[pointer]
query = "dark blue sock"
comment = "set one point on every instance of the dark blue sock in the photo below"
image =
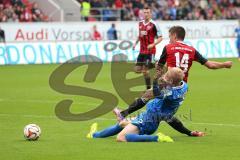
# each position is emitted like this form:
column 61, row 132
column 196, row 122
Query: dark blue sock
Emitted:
column 141, row 138
column 110, row 131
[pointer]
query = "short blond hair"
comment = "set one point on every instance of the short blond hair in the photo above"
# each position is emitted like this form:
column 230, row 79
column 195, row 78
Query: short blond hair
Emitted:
column 176, row 74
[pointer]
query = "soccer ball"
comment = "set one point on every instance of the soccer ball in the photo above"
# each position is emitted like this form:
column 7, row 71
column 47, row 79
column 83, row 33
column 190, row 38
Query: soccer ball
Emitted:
column 32, row 132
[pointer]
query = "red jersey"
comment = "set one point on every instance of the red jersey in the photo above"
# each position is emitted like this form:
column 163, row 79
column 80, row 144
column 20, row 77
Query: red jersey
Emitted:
column 147, row 33
column 180, row 55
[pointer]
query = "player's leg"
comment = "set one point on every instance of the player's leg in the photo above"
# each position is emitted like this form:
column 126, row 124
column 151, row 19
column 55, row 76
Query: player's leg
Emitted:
column 143, row 62
column 136, row 105
column 139, row 102
column 178, row 126
column 159, row 137
column 129, row 129
column 132, row 130
column 138, row 68
column 124, row 123
column 110, row 131
column 131, row 133
column 173, row 122
column 146, row 76
column 139, row 64
column 145, row 70
column 141, row 128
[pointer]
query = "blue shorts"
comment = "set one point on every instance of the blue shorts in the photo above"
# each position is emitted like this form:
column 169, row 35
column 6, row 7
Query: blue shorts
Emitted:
column 146, row 123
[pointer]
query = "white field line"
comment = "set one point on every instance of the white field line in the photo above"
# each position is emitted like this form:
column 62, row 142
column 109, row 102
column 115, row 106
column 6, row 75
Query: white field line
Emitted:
column 98, row 119
column 112, row 119
column 216, row 124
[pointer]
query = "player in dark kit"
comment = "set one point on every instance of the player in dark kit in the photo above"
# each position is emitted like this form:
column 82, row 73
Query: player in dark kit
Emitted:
column 148, row 31
column 175, row 54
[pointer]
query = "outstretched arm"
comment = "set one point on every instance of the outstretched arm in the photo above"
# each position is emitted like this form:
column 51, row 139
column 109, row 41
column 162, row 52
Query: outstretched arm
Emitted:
column 218, row 65
column 212, row 64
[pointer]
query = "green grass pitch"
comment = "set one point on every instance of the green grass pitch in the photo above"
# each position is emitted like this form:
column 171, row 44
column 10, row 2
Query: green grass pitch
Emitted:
column 25, row 97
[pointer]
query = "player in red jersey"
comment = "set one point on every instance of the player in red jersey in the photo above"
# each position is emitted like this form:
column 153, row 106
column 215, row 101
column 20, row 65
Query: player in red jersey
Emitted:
column 175, row 54
column 148, row 31
column 179, row 54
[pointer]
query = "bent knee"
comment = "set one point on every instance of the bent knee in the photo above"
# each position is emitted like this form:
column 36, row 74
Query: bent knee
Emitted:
column 124, row 123
column 121, row 138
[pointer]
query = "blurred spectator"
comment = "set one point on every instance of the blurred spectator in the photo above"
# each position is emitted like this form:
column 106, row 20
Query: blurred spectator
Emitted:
column 20, row 11
column 118, row 4
column 86, row 7
column 96, row 35
column 128, row 13
column 96, row 11
column 112, row 33
column 2, row 35
column 96, row 4
column 169, row 9
column 110, row 14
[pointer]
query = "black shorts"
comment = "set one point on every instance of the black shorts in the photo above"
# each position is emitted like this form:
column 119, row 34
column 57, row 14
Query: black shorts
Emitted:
column 145, row 60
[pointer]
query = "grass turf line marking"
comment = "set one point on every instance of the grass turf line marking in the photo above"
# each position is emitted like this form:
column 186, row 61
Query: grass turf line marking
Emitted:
column 112, row 119
column 101, row 119
column 216, row 124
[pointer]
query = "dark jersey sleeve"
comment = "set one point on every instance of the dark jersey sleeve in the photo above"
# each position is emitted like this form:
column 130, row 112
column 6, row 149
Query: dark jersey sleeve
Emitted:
column 157, row 30
column 199, row 58
column 163, row 57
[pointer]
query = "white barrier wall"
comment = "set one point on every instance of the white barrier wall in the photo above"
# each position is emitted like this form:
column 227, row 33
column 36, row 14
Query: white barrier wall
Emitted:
column 78, row 31
column 53, row 52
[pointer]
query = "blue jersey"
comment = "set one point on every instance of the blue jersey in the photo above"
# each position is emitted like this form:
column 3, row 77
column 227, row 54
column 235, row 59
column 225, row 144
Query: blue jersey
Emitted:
column 168, row 100
column 162, row 107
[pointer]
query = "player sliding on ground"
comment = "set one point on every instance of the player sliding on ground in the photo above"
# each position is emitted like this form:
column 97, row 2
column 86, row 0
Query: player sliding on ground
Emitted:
column 176, row 54
column 169, row 91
